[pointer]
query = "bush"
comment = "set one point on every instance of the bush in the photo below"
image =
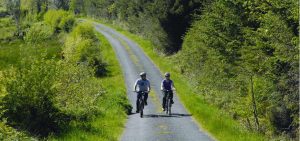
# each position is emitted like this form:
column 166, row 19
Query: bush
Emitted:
column 84, row 31
column 67, row 23
column 10, row 134
column 43, row 96
column 29, row 100
column 84, row 46
column 78, row 91
column 59, row 20
column 7, row 28
column 38, row 32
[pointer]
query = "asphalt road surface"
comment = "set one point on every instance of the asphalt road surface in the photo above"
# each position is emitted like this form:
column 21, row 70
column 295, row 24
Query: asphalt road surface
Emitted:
column 155, row 125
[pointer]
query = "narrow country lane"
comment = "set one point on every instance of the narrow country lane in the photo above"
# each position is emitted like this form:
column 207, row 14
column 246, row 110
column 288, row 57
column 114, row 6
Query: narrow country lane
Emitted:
column 156, row 125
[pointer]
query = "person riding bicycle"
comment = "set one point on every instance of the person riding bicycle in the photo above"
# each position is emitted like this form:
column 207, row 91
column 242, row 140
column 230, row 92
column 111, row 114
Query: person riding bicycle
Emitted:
column 143, row 85
column 167, row 85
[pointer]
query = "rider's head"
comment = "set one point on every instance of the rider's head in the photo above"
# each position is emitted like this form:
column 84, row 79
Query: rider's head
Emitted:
column 167, row 75
column 143, row 75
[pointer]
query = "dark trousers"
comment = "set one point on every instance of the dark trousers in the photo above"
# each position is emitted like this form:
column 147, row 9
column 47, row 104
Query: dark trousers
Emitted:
column 139, row 95
column 165, row 97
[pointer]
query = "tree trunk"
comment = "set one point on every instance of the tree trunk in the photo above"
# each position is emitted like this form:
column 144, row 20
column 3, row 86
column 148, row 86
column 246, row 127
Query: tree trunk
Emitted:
column 254, row 104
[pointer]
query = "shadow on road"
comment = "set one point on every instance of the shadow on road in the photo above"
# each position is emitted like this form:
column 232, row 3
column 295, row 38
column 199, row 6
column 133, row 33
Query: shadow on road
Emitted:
column 132, row 113
column 174, row 115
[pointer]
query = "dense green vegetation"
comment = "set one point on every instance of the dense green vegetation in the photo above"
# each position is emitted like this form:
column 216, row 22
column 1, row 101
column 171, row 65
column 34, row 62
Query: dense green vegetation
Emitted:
column 56, row 77
column 240, row 56
column 155, row 19
column 243, row 57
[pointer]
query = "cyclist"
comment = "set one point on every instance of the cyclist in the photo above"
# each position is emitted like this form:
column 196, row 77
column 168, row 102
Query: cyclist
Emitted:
column 167, row 85
column 143, row 85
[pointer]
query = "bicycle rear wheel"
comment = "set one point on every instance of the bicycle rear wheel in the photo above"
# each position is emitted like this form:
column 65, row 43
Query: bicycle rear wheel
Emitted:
column 169, row 106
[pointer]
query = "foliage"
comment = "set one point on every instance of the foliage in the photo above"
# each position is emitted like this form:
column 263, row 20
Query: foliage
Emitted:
column 8, row 134
column 236, row 46
column 113, row 105
column 84, row 46
column 43, row 96
column 38, row 32
column 59, row 20
column 6, row 28
column 14, row 8
column 154, row 19
column 29, row 100
column 62, row 4
column 77, row 92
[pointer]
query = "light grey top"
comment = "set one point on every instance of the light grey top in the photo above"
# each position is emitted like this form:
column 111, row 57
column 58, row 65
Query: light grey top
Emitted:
column 142, row 85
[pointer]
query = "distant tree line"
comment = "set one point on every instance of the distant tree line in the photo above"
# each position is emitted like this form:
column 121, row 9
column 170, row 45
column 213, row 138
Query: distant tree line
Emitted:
column 154, row 19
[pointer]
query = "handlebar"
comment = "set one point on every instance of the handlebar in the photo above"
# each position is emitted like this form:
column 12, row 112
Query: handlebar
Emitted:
column 142, row 91
column 167, row 90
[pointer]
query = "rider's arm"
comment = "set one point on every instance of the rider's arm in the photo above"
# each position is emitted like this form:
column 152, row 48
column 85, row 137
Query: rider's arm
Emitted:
column 149, row 86
column 135, row 84
column 172, row 85
column 162, row 85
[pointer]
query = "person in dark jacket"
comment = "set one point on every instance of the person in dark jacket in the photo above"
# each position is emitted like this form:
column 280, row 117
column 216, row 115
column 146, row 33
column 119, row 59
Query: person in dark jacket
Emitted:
column 167, row 85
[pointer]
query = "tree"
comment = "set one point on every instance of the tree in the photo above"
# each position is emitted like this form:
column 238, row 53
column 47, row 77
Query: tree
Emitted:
column 14, row 8
column 247, row 50
column 77, row 6
column 62, row 4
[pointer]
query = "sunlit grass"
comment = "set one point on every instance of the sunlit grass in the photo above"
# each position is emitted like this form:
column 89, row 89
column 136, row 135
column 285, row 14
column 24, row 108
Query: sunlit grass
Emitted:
column 11, row 53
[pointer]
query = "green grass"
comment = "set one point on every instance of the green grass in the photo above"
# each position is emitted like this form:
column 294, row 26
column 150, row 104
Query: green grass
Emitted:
column 217, row 122
column 8, row 133
column 109, row 125
column 11, row 53
column 114, row 104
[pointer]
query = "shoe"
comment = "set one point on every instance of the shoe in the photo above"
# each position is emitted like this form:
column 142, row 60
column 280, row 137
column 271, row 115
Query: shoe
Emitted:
column 172, row 102
column 146, row 103
column 137, row 111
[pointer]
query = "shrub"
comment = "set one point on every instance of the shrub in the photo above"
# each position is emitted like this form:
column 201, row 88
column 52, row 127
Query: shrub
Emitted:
column 67, row 23
column 84, row 46
column 7, row 28
column 10, row 134
column 59, row 20
column 84, row 31
column 78, row 91
column 38, row 32
column 29, row 100
column 43, row 96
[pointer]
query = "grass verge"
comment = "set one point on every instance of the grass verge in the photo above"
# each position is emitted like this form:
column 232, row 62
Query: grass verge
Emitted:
column 11, row 53
column 219, row 124
column 109, row 125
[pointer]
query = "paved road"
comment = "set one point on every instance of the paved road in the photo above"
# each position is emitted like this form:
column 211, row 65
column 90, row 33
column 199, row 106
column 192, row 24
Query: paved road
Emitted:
column 156, row 125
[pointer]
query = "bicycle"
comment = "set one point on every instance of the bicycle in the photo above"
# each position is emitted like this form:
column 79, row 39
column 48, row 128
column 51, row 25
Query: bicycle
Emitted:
column 141, row 102
column 168, row 104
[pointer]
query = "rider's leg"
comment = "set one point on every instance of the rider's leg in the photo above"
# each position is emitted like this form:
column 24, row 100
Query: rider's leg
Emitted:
column 164, row 100
column 171, row 95
column 146, row 97
column 137, row 101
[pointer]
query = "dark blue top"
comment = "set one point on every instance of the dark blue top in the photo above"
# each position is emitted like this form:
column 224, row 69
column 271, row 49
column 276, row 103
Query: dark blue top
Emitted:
column 167, row 85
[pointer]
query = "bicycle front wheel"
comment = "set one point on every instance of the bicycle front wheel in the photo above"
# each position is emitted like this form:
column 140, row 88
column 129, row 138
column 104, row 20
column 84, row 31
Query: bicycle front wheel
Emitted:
column 141, row 108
